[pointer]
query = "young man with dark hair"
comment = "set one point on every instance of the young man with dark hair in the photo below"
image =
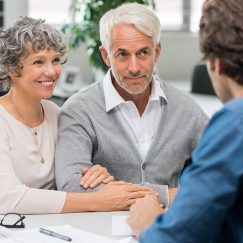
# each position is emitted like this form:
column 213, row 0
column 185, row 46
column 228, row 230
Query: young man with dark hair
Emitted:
column 209, row 204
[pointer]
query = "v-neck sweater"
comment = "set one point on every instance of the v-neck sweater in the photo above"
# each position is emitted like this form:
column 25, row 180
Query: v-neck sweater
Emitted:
column 89, row 135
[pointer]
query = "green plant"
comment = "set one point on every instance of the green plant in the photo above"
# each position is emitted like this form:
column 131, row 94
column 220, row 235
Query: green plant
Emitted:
column 85, row 26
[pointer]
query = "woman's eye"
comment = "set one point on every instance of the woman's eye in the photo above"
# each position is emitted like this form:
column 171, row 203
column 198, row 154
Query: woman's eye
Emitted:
column 38, row 62
column 57, row 60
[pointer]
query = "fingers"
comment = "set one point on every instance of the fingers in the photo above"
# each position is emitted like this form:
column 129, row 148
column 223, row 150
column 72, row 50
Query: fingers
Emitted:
column 117, row 183
column 94, row 176
column 135, row 187
column 109, row 179
column 139, row 194
column 102, row 179
column 84, row 170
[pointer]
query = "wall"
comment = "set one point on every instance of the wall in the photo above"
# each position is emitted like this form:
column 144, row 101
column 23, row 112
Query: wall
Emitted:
column 14, row 9
column 180, row 52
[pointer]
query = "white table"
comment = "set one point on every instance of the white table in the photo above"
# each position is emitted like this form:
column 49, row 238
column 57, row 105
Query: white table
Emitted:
column 95, row 222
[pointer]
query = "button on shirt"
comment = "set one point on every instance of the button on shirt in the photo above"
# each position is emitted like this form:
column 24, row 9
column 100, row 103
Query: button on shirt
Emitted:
column 141, row 129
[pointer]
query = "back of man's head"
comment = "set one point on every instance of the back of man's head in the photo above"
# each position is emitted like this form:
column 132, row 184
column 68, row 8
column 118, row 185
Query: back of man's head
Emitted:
column 143, row 18
column 221, row 35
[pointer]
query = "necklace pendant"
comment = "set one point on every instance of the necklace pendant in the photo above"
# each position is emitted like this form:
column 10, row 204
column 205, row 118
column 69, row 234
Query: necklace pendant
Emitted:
column 42, row 160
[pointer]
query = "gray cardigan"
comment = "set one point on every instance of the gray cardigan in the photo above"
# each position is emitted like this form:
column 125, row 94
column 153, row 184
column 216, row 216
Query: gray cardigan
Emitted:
column 89, row 135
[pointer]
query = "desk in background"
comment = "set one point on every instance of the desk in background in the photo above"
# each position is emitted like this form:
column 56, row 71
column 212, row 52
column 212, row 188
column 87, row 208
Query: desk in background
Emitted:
column 209, row 103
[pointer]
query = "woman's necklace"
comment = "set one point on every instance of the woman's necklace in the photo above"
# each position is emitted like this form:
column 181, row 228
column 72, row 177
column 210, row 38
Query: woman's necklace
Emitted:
column 33, row 131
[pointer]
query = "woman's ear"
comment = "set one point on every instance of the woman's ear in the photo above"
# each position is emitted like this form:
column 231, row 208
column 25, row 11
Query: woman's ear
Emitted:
column 105, row 55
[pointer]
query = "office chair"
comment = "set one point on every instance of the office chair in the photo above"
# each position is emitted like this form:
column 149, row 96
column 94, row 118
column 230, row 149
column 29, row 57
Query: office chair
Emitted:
column 200, row 81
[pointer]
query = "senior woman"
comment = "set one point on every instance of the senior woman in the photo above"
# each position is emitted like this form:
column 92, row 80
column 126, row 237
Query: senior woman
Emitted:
column 31, row 54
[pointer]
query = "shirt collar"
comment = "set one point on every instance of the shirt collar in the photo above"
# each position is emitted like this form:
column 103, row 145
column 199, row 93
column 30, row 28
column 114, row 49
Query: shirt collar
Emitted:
column 113, row 99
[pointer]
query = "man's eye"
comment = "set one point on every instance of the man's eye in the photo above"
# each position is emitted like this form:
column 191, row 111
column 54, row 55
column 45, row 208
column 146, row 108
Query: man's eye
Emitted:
column 122, row 54
column 144, row 53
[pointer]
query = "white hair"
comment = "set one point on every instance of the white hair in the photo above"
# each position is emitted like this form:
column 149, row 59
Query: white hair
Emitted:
column 143, row 18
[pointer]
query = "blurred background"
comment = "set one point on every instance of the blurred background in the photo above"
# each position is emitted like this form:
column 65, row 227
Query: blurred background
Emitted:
column 180, row 61
column 179, row 19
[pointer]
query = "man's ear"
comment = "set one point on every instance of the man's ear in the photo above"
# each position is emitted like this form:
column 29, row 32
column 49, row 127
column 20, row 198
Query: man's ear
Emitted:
column 105, row 55
column 157, row 51
column 218, row 66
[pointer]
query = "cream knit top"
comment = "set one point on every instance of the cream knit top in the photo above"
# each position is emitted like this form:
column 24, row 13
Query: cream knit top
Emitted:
column 26, row 183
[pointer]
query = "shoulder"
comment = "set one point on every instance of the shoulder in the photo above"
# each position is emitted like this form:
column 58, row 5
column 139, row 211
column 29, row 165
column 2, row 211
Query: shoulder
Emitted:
column 175, row 95
column 90, row 97
column 87, row 92
column 230, row 115
column 50, row 108
column 49, row 105
column 182, row 102
column 234, row 106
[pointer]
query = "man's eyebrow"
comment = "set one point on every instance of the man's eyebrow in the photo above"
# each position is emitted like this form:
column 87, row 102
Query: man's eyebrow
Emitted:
column 121, row 49
column 144, row 48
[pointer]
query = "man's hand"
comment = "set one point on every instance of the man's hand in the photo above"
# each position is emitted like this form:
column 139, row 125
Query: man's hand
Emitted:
column 143, row 213
column 94, row 176
column 120, row 195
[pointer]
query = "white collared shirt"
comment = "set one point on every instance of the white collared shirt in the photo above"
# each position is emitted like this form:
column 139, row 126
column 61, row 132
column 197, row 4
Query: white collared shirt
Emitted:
column 140, row 128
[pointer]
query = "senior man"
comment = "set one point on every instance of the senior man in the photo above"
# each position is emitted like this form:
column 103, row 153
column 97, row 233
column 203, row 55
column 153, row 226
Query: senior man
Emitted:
column 140, row 128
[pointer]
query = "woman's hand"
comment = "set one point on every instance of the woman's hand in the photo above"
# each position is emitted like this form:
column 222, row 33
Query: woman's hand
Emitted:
column 94, row 176
column 120, row 195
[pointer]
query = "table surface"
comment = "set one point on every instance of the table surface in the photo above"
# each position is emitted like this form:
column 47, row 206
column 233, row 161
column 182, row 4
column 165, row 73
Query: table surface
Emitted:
column 94, row 222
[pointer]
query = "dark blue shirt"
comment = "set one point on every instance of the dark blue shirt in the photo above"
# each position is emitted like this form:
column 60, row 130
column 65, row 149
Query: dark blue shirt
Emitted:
column 209, row 204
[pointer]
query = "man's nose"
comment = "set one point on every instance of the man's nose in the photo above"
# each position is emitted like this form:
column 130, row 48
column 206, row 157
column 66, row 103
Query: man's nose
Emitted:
column 134, row 66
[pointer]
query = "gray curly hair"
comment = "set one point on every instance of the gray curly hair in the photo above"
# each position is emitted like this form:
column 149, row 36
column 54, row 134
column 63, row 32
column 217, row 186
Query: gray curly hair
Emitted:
column 15, row 43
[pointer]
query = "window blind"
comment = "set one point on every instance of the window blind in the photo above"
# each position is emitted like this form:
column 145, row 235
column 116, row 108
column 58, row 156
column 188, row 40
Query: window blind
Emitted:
column 174, row 15
column 178, row 15
column 1, row 14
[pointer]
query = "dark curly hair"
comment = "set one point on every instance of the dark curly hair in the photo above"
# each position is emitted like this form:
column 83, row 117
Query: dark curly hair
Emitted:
column 14, row 43
column 221, row 35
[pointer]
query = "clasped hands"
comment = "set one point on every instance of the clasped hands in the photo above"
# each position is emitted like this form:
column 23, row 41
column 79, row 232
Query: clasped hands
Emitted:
column 117, row 195
column 121, row 195
column 145, row 210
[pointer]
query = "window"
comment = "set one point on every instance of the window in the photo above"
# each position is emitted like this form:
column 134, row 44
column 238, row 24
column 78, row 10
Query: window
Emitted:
column 175, row 15
column 55, row 12
column 179, row 15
